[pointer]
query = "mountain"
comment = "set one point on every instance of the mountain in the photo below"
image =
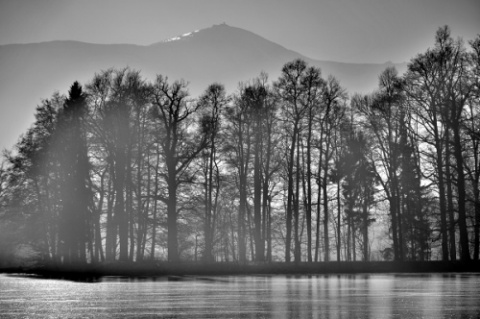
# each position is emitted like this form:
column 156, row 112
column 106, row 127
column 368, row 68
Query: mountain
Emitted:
column 221, row 53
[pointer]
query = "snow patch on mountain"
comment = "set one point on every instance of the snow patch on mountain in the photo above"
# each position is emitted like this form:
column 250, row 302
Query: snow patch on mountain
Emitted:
column 180, row 37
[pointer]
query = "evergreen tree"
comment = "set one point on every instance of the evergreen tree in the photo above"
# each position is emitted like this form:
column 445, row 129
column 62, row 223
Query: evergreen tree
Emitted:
column 73, row 171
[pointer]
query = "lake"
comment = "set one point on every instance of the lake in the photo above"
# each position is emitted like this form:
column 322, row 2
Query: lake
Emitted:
column 329, row 296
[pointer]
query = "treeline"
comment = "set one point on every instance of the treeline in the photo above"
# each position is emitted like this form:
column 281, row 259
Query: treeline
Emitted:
column 294, row 170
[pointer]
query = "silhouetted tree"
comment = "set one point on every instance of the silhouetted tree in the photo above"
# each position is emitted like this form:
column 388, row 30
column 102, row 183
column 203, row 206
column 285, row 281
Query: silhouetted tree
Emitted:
column 74, row 174
column 472, row 123
column 333, row 96
column 212, row 102
column 179, row 147
column 290, row 91
column 239, row 131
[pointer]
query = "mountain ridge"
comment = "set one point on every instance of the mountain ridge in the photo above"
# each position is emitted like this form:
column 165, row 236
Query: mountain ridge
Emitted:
column 30, row 72
column 190, row 34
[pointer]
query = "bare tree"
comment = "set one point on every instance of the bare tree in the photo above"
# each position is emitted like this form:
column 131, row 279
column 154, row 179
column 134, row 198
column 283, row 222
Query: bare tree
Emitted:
column 178, row 144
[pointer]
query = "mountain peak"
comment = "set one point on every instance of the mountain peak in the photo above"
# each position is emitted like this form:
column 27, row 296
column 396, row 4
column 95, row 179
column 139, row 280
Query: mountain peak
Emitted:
column 217, row 32
column 223, row 24
column 190, row 34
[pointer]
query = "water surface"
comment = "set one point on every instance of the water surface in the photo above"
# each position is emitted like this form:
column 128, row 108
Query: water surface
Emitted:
column 330, row 296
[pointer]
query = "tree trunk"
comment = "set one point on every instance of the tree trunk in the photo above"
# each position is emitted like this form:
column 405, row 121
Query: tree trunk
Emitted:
column 319, row 196
column 339, row 214
column 296, row 205
column 308, row 199
column 172, row 236
column 110, row 245
column 257, row 199
column 325, row 205
column 441, row 189
column 365, row 224
column 450, row 208
column 290, row 195
column 462, row 218
column 120, row 214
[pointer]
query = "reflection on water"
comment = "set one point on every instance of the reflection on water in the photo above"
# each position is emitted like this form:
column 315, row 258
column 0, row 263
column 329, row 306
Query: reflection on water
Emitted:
column 332, row 296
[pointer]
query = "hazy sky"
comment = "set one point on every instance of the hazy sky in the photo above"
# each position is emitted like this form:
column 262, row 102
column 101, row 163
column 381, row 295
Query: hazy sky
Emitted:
column 339, row 30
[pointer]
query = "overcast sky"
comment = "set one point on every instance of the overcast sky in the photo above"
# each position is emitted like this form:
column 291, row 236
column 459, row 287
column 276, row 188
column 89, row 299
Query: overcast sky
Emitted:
column 338, row 30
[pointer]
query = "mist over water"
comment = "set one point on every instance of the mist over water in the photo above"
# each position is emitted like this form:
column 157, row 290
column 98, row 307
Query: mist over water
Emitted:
column 333, row 296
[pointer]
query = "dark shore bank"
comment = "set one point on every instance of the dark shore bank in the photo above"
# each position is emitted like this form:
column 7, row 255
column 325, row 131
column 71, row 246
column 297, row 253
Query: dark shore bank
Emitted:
column 157, row 269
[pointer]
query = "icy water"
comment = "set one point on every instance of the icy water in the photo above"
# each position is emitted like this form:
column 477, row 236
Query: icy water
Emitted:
column 332, row 296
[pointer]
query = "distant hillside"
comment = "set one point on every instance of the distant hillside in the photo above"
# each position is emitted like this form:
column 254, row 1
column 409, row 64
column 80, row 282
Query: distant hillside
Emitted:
column 225, row 54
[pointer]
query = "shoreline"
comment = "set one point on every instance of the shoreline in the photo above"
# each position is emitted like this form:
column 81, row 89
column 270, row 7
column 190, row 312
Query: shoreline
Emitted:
column 164, row 269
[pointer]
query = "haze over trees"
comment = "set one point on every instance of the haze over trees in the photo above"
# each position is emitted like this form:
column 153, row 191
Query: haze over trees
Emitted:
column 294, row 169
